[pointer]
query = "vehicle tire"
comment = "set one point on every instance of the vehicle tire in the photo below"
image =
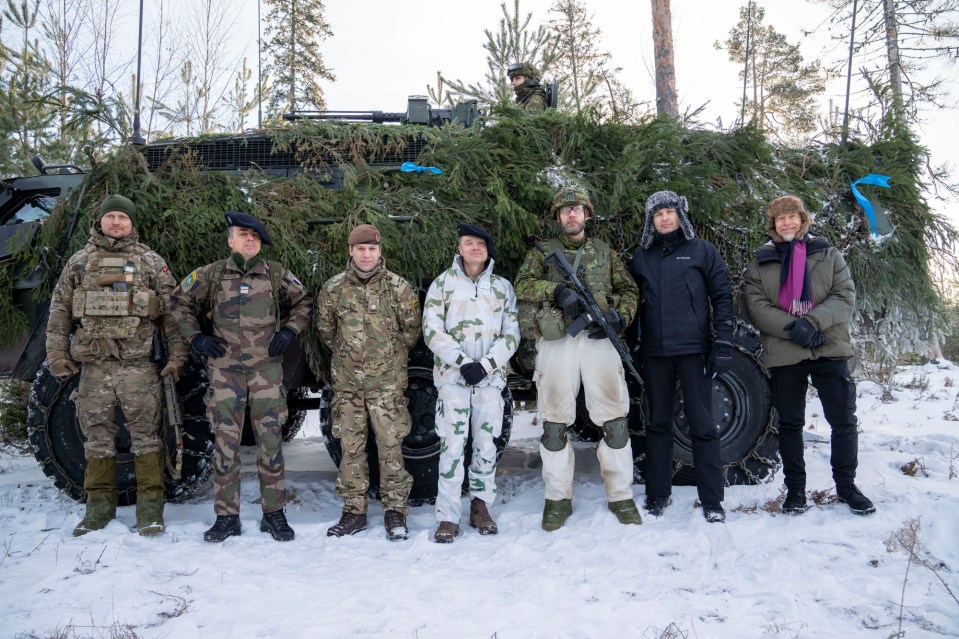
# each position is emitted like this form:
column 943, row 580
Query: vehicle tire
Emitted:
column 745, row 419
column 58, row 443
column 421, row 448
column 742, row 408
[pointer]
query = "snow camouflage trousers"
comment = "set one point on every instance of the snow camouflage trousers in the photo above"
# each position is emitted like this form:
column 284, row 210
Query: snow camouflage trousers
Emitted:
column 132, row 386
column 230, row 392
column 461, row 411
column 391, row 423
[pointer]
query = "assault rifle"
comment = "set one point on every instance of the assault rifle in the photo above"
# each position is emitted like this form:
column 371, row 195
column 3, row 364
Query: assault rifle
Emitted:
column 173, row 424
column 593, row 313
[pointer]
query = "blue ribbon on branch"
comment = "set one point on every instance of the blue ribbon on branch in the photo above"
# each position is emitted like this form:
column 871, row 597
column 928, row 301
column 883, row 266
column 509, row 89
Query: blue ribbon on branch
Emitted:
column 410, row 167
column 876, row 180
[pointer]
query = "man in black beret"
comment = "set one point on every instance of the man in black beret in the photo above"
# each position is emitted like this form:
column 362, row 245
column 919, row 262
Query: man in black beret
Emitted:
column 470, row 323
column 257, row 308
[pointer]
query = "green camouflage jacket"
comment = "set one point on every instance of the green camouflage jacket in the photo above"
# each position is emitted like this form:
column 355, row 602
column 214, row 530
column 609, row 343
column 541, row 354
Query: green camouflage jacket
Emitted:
column 242, row 312
column 370, row 326
column 600, row 270
column 112, row 324
column 466, row 321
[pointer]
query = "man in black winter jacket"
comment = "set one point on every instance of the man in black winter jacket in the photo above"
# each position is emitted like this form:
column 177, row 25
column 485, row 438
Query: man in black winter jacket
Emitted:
column 686, row 331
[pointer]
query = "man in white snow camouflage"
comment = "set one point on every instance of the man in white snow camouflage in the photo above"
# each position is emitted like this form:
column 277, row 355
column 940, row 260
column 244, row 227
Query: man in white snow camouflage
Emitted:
column 470, row 323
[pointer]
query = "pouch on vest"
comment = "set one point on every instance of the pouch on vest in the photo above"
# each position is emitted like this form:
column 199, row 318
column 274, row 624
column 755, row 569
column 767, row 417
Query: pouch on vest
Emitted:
column 552, row 325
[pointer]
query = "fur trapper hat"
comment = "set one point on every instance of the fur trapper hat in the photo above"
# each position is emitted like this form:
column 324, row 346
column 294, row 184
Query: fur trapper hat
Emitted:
column 666, row 200
column 782, row 206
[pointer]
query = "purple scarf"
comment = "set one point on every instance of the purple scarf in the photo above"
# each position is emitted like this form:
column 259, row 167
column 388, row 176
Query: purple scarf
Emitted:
column 795, row 295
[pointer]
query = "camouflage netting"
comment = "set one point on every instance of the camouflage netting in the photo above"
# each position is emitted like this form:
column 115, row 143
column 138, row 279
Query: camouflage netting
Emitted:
column 504, row 175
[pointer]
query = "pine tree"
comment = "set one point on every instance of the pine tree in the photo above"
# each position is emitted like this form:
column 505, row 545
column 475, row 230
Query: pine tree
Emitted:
column 587, row 79
column 784, row 89
column 294, row 31
column 894, row 44
column 26, row 111
column 514, row 42
column 666, row 101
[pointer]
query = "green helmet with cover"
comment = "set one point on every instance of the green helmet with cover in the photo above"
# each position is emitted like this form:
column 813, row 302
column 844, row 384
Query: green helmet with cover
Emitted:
column 571, row 196
column 524, row 69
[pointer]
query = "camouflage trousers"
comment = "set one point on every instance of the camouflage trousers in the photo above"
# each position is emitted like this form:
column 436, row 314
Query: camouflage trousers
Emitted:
column 111, row 385
column 391, row 423
column 227, row 399
column 462, row 411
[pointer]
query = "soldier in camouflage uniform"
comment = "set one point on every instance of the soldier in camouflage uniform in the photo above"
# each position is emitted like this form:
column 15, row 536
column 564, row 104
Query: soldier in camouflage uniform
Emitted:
column 369, row 317
column 563, row 363
column 243, row 296
column 529, row 93
column 470, row 323
column 111, row 298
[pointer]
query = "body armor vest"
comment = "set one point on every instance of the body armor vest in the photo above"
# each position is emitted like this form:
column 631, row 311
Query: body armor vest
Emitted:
column 113, row 299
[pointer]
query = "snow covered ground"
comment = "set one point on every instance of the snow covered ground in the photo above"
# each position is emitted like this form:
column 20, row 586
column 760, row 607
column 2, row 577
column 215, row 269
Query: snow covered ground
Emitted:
column 825, row 574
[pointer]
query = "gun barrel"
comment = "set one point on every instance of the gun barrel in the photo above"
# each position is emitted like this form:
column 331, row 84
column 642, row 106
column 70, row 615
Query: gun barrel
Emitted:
column 378, row 117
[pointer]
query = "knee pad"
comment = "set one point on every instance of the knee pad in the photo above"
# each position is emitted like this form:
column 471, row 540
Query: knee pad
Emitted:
column 615, row 433
column 554, row 436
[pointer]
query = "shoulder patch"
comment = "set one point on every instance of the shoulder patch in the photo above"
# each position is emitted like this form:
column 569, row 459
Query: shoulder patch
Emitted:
column 188, row 281
column 295, row 278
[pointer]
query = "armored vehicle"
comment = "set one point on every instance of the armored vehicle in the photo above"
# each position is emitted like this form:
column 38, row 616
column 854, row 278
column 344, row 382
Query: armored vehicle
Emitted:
column 311, row 181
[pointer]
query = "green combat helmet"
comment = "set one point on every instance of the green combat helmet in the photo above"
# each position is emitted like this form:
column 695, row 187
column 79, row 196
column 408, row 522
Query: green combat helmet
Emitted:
column 524, row 69
column 571, row 196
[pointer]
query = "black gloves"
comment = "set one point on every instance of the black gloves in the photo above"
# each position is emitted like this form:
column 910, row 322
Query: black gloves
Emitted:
column 209, row 345
column 281, row 340
column 473, row 373
column 567, row 300
column 803, row 333
column 616, row 322
column 720, row 359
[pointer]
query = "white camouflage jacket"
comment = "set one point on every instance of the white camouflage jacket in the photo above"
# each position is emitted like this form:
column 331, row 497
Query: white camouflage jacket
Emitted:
column 466, row 321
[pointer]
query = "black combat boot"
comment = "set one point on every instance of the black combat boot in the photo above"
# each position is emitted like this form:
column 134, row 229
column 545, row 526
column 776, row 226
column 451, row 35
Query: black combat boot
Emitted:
column 795, row 502
column 225, row 526
column 656, row 505
column 275, row 524
column 713, row 512
column 857, row 502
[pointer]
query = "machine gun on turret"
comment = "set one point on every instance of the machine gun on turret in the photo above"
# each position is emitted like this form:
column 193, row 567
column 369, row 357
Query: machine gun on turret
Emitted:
column 418, row 111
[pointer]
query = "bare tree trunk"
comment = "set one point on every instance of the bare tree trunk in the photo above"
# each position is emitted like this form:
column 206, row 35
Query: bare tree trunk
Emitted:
column 666, row 101
column 892, row 52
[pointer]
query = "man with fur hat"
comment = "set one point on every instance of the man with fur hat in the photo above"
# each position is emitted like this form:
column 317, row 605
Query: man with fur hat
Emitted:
column 369, row 317
column 530, row 95
column 111, row 299
column 257, row 309
column 686, row 330
column 566, row 362
column 800, row 295
column 471, row 325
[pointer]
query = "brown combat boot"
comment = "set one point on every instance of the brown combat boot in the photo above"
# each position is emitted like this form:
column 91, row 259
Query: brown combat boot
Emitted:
column 395, row 523
column 480, row 518
column 446, row 532
column 349, row 524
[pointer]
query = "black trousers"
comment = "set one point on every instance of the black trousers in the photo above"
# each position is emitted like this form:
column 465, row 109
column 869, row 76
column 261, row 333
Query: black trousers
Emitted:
column 837, row 393
column 659, row 377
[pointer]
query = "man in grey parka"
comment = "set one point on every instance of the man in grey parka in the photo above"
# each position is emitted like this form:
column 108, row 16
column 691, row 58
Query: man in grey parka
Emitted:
column 470, row 323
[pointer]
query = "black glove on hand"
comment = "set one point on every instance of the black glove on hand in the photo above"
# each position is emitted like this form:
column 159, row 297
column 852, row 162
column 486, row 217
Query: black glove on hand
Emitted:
column 818, row 340
column 801, row 332
column 567, row 300
column 720, row 359
column 616, row 322
column 209, row 345
column 280, row 341
column 473, row 373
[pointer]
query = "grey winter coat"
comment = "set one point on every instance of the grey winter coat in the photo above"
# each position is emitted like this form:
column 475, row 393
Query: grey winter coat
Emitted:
column 833, row 292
